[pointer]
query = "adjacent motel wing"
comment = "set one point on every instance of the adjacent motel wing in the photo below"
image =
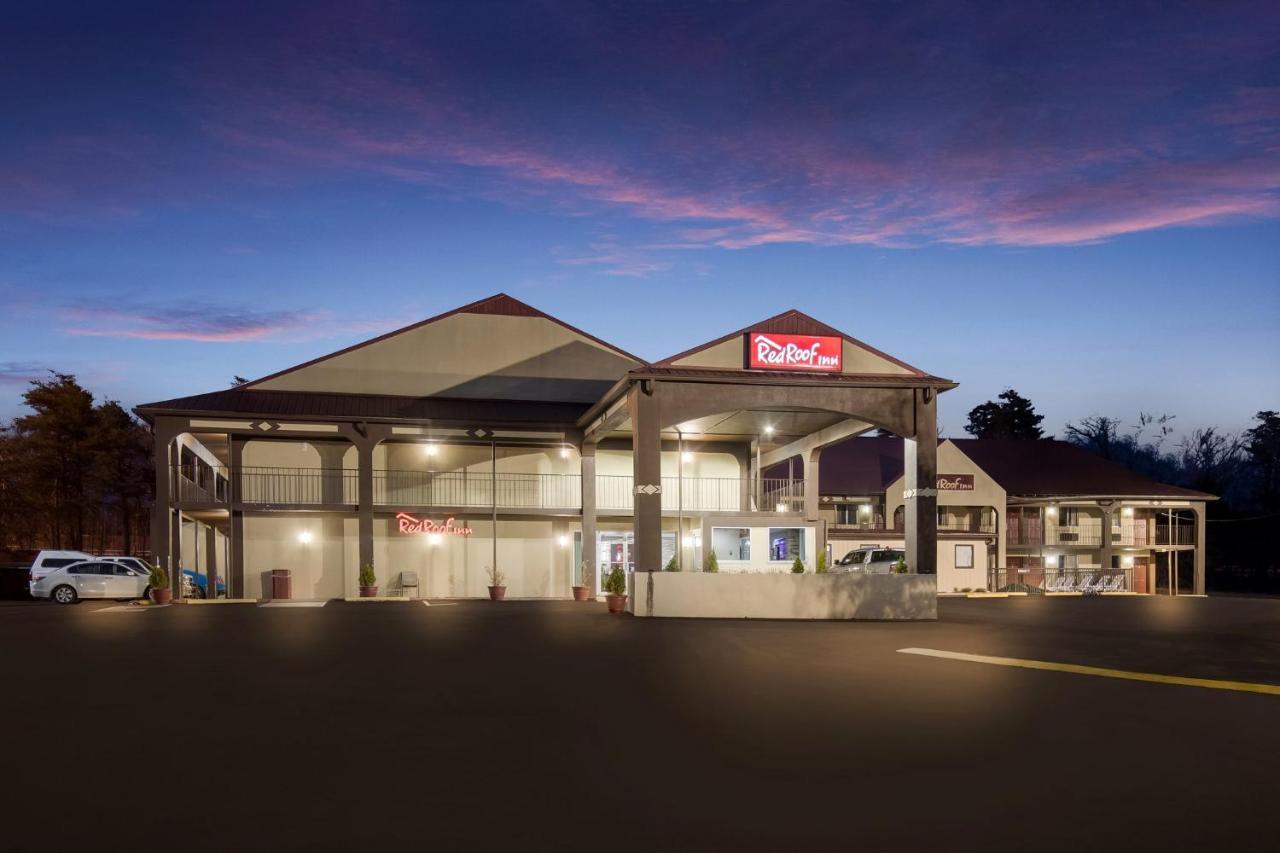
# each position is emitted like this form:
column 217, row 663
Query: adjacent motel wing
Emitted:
column 497, row 435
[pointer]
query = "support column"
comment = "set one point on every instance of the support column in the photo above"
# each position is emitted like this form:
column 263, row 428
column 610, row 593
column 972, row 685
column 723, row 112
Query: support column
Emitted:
column 175, row 550
column 331, row 455
column 811, row 503
column 646, row 466
column 745, row 475
column 1107, row 550
column 364, row 492
column 213, row 570
column 235, row 576
column 920, row 460
column 162, row 510
column 588, row 461
column 1199, row 552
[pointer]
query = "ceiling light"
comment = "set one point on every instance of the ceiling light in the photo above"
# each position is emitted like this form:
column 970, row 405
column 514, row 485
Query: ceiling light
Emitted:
column 430, row 449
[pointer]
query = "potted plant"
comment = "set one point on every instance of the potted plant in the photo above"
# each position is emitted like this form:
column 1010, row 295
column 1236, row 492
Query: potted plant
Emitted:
column 159, row 583
column 900, row 567
column 497, row 584
column 711, row 565
column 797, row 568
column 582, row 592
column 672, row 565
column 368, row 581
column 821, row 567
column 615, row 587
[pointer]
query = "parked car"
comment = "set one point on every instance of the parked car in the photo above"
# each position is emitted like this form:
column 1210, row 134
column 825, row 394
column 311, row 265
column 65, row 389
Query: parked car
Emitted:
column 132, row 562
column 196, row 585
column 872, row 561
column 91, row 579
column 47, row 561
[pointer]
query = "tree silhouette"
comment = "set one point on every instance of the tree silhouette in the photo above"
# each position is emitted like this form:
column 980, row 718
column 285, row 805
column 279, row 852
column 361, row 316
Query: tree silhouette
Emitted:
column 1013, row 417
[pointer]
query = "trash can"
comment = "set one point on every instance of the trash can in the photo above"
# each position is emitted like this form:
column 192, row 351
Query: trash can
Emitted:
column 281, row 583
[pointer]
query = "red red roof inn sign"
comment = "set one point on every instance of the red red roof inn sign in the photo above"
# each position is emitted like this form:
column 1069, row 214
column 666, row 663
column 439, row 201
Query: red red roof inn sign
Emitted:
column 767, row 351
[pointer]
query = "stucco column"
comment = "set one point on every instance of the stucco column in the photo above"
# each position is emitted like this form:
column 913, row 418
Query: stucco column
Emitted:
column 1107, row 550
column 811, row 492
column 235, row 571
column 213, row 570
column 588, row 460
column 331, row 454
column 920, row 460
column 175, row 550
column 162, row 510
column 1199, row 553
column 646, row 466
column 364, row 455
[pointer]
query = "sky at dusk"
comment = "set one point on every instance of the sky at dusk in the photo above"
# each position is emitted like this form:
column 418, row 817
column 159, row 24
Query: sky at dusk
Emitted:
column 1081, row 201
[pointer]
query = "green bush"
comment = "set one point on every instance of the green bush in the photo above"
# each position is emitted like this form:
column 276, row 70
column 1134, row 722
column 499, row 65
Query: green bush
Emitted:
column 615, row 581
column 797, row 568
column 821, row 567
column 672, row 565
column 159, row 578
column 900, row 567
column 367, row 576
column 712, row 565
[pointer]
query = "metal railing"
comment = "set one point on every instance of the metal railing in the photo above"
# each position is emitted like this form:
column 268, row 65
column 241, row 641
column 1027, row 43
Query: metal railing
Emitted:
column 1035, row 580
column 477, row 489
column 1175, row 534
column 300, row 486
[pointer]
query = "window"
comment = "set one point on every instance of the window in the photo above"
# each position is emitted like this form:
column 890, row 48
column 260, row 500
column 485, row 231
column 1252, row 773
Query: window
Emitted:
column 731, row 543
column 786, row 543
column 1068, row 516
column 59, row 562
column 964, row 556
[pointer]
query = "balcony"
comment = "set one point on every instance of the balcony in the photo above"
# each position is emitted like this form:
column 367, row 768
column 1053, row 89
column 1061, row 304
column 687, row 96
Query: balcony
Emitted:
column 262, row 486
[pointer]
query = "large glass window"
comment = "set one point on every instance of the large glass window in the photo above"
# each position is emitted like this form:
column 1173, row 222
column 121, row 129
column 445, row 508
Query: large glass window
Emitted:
column 786, row 543
column 731, row 543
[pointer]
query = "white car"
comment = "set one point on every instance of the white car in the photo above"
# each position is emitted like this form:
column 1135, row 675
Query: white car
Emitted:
column 91, row 579
column 47, row 561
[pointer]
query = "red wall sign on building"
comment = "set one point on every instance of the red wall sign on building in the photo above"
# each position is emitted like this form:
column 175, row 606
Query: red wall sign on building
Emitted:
column 409, row 524
column 955, row 482
column 767, row 351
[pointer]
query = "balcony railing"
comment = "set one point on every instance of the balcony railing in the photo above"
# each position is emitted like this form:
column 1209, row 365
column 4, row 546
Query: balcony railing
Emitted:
column 1175, row 534
column 268, row 486
column 1062, row 580
column 477, row 489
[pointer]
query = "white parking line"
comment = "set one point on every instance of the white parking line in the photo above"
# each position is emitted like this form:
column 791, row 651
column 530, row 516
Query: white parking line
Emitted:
column 293, row 604
column 117, row 608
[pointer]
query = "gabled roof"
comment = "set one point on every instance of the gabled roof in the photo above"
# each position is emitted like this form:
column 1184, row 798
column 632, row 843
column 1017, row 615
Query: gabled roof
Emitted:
column 500, row 304
column 1024, row 468
column 791, row 322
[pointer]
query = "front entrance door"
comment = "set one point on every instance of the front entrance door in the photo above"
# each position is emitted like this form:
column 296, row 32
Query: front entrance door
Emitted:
column 617, row 548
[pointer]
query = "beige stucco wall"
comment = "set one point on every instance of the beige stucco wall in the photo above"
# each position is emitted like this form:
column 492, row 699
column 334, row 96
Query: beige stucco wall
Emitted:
column 319, row 567
column 783, row 596
column 514, row 355
column 950, row 578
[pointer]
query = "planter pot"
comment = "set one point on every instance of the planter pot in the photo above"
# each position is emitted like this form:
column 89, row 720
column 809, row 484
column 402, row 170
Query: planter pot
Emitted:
column 497, row 593
column 162, row 596
column 617, row 603
column 581, row 593
column 368, row 592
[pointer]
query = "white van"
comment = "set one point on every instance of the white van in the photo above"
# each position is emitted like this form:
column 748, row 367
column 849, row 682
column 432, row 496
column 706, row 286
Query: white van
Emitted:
column 47, row 561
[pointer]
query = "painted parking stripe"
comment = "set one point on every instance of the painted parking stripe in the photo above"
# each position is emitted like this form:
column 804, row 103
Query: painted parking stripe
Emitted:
column 293, row 604
column 1077, row 669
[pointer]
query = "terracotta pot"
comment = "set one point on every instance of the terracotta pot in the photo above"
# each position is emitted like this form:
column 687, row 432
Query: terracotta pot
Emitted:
column 162, row 596
column 368, row 592
column 617, row 603
column 581, row 593
column 497, row 593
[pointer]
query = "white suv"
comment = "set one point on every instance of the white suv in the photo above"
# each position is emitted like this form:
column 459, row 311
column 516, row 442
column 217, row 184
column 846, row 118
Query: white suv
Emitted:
column 47, row 561
column 92, row 579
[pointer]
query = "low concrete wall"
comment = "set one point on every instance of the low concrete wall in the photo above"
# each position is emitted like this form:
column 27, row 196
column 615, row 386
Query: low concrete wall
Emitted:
column 783, row 596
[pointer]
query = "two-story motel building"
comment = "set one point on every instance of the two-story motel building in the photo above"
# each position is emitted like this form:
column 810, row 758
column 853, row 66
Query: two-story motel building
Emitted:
column 495, row 434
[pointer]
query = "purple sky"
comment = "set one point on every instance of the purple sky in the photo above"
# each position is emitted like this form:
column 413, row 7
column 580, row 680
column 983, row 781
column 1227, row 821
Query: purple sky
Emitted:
column 1083, row 205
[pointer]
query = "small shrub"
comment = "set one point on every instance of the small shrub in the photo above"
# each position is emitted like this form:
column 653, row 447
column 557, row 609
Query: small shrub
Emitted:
column 900, row 567
column 159, row 578
column 821, row 566
column 672, row 565
column 711, row 565
column 615, row 581
column 797, row 568
column 367, row 575
column 496, row 578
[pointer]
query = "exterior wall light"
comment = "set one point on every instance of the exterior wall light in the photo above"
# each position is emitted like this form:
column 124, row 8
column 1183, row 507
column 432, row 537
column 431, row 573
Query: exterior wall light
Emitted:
column 304, row 538
column 1051, row 561
column 1126, row 562
column 687, row 456
column 768, row 430
column 781, row 507
column 563, row 540
column 564, row 453
column 434, row 539
column 430, row 448
column 864, row 509
column 1053, row 510
column 1127, row 511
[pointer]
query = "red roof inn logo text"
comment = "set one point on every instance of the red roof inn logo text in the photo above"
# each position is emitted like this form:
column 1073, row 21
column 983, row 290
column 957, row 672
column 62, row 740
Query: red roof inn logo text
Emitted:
column 794, row 352
column 409, row 524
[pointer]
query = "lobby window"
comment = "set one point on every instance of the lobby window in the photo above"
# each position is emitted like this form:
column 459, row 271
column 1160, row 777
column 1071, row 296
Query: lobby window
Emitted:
column 786, row 543
column 731, row 543
column 964, row 556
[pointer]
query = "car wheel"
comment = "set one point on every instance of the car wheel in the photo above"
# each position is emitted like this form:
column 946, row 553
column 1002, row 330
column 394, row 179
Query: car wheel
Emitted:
column 64, row 594
column 146, row 592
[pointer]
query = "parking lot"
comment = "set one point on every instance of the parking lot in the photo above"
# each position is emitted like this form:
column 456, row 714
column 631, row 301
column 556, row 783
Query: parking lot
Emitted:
column 551, row 725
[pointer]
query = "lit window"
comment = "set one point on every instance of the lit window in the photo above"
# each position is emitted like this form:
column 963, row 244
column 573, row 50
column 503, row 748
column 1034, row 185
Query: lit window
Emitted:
column 731, row 543
column 786, row 543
